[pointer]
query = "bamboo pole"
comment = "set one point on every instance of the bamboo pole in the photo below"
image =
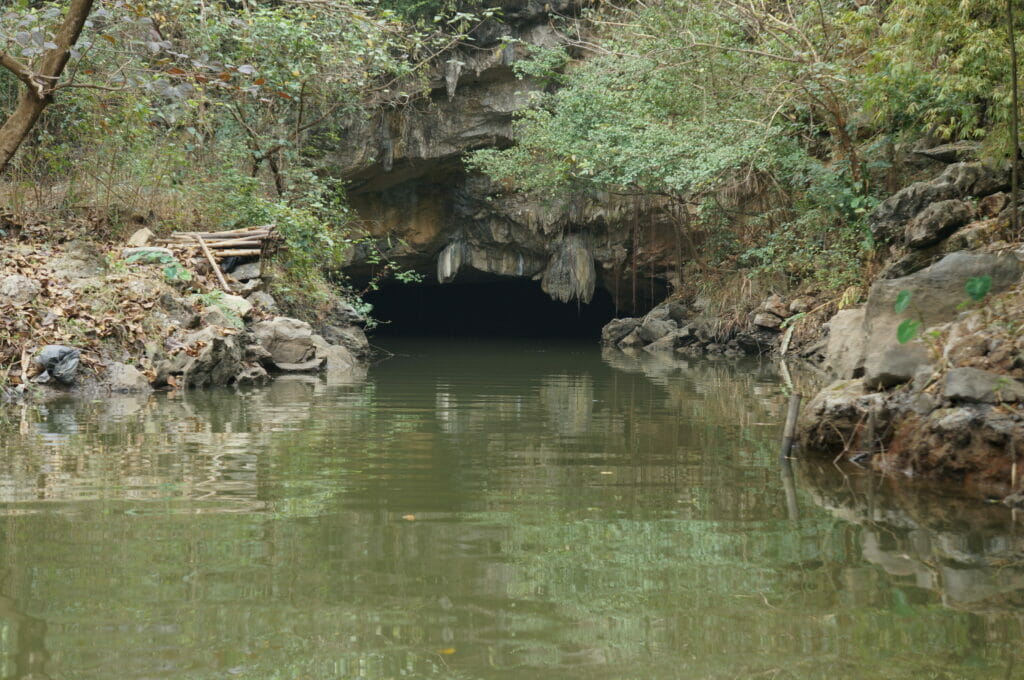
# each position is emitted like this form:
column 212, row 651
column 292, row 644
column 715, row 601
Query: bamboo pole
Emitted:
column 789, row 433
column 213, row 263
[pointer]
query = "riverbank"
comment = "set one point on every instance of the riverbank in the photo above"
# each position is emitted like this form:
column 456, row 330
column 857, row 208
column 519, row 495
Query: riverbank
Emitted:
column 926, row 365
column 85, row 318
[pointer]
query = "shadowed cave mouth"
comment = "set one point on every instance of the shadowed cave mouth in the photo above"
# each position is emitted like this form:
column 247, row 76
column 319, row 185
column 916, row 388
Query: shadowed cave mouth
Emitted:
column 491, row 306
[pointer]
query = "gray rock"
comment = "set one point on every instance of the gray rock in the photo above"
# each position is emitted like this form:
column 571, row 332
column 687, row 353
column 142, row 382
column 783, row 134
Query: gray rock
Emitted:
column 311, row 366
column 336, row 357
column 217, row 360
column 959, row 180
column 244, row 272
column 617, row 329
column 894, row 365
column 252, row 375
column 844, row 356
column 125, row 379
column 215, row 316
column 936, row 222
column 767, row 320
column 992, row 205
column 935, row 294
column 18, row 290
column 951, row 153
column 653, row 329
column 81, row 260
column 237, row 305
column 801, row 305
column 632, row 340
column 288, row 340
column 263, row 301
column 140, row 238
column 777, row 306
column 678, row 312
column 351, row 338
column 668, row 343
column 975, row 385
column 833, row 416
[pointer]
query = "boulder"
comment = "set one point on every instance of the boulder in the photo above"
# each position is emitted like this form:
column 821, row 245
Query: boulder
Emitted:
column 992, row 205
column 263, row 301
column 951, row 153
column 833, row 416
column 959, row 180
column 215, row 316
column 777, row 306
column 935, row 291
column 617, row 329
column 336, row 358
column 140, row 238
column 632, row 340
column 212, row 358
column 975, row 385
column 767, row 320
column 669, row 342
column 351, row 338
column 936, row 222
column 844, row 356
column 654, row 329
column 237, row 305
column 18, row 290
column 125, row 379
column 288, row 340
column 247, row 271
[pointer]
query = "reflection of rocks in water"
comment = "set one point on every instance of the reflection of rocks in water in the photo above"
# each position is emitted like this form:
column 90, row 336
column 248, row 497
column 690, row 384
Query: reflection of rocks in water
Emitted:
column 569, row 402
column 969, row 552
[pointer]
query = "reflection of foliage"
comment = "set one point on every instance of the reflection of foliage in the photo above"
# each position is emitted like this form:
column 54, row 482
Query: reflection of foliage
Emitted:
column 363, row 531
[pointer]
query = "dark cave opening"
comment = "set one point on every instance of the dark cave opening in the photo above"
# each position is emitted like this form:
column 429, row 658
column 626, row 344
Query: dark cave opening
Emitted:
column 497, row 306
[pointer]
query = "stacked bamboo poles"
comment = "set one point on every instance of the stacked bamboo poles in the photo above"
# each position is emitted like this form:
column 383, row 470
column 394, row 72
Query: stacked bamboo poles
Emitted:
column 234, row 243
column 217, row 245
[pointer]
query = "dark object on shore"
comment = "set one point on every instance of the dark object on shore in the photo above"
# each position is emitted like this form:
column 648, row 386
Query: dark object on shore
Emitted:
column 58, row 361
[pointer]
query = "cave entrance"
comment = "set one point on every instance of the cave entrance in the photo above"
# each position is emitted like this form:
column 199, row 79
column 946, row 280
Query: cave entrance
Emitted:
column 495, row 306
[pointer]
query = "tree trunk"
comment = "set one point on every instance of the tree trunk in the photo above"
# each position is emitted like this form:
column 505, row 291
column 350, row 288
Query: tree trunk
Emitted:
column 1014, row 122
column 39, row 86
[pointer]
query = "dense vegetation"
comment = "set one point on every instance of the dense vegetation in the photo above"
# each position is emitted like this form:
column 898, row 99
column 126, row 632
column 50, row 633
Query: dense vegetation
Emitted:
column 769, row 129
column 186, row 114
column 772, row 127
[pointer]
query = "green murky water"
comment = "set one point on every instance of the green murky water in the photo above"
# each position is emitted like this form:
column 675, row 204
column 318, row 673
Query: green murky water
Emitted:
column 483, row 510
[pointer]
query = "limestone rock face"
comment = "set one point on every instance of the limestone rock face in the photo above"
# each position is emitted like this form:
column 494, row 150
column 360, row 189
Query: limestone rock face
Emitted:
column 289, row 341
column 570, row 274
column 959, row 180
column 936, row 222
column 406, row 174
column 935, row 291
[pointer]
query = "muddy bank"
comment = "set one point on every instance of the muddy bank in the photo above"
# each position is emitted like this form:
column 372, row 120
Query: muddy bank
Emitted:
column 81, row 318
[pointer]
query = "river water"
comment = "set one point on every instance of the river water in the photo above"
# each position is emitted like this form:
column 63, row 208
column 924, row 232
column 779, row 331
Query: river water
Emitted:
column 484, row 510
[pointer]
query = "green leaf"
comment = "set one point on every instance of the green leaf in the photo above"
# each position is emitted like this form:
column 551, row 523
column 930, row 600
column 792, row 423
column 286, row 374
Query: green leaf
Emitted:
column 907, row 330
column 978, row 287
column 902, row 300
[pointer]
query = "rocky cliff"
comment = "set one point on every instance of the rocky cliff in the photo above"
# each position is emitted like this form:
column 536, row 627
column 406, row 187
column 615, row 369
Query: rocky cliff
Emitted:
column 408, row 181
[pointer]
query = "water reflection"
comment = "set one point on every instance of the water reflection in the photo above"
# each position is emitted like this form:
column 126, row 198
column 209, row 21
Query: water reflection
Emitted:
column 479, row 511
